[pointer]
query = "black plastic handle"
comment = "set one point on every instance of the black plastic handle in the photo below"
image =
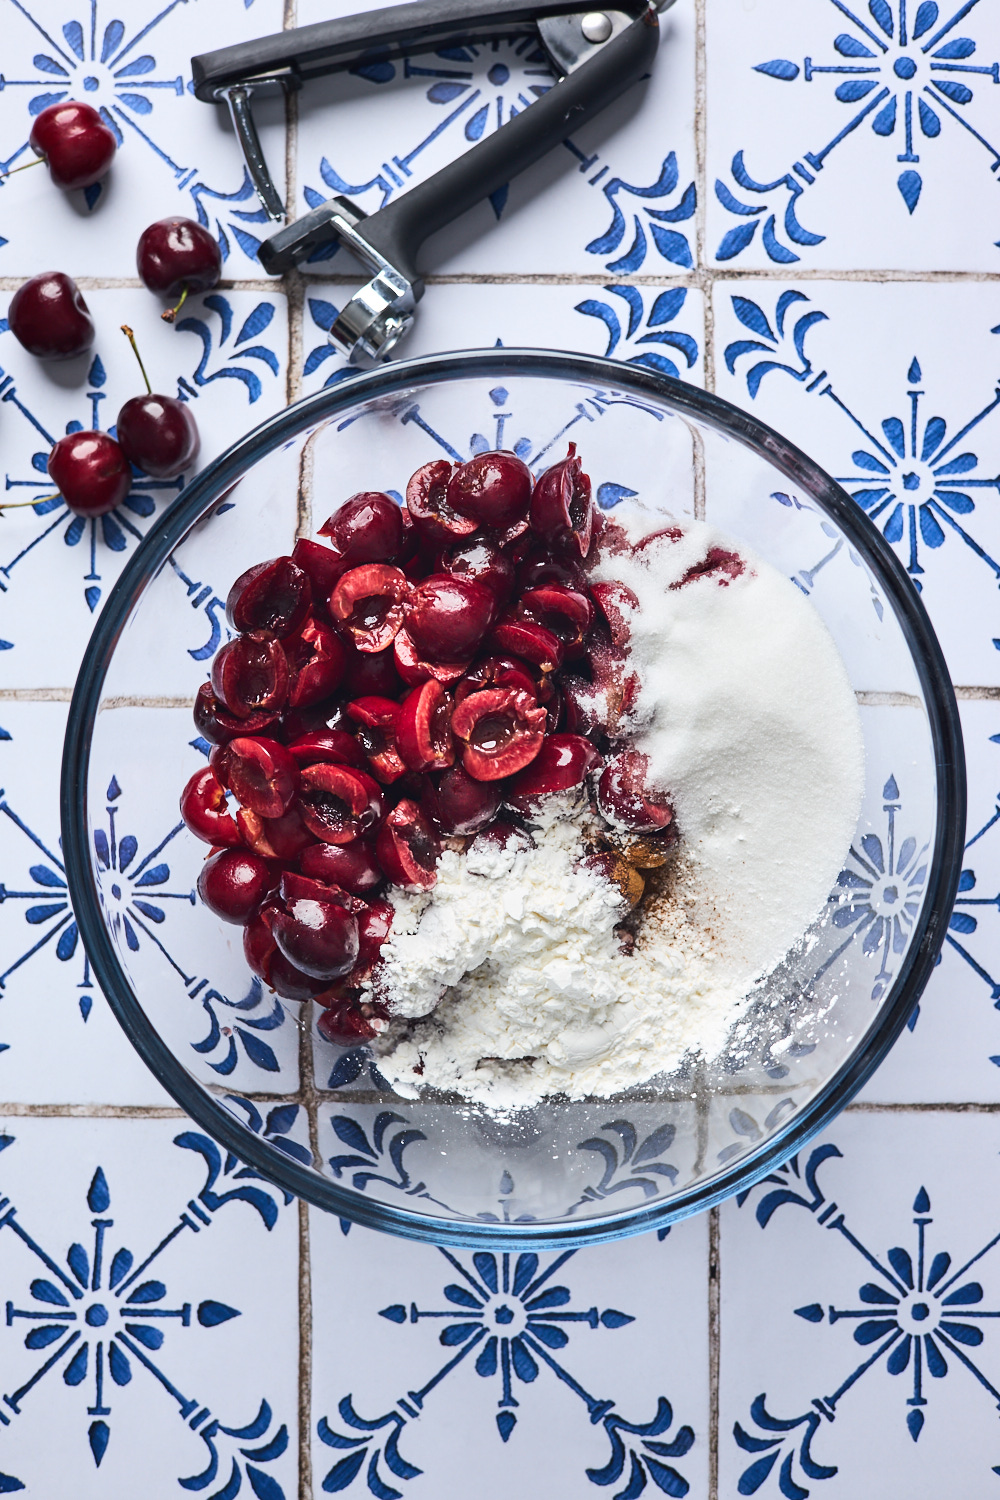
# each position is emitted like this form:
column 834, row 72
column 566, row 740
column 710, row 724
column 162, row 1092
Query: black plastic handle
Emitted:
column 398, row 230
column 330, row 46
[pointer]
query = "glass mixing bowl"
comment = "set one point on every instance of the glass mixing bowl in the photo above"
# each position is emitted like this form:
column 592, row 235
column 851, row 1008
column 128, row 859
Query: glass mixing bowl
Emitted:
column 252, row 1070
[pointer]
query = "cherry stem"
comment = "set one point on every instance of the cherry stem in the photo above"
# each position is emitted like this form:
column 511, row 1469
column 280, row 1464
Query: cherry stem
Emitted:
column 22, row 504
column 171, row 312
column 126, row 330
column 24, row 166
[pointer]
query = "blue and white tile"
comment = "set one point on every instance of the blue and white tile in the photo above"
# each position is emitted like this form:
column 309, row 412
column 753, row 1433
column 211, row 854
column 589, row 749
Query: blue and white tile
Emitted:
column 657, row 327
column 186, row 967
column 60, row 1042
column 575, row 1374
column 227, row 356
column 843, row 136
column 892, row 388
column 619, row 195
column 859, row 1284
column 950, row 1052
column 151, row 1333
column 176, row 155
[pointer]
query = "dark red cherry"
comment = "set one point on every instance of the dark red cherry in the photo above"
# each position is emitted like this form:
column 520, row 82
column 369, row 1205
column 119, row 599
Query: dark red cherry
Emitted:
column 273, row 596
column 158, row 434
column 465, row 805
column 206, row 812
column 564, row 761
column 376, row 719
column 502, row 731
column 371, row 672
column 49, row 317
column 338, row 803
column 216, row 723
column 264, row 958
column 323, row 566
column 348, row 1021
column 318, row 937
column 436, row 522
column 532, row 642
column 412, row 668
column 447, row 617
column 373, row 929
column 408, row 848
column 90, row 471
column 496, row 671
column 234, row 882
column 367, row 528
column 368, row 601
column 75, row 142
column 283, row 838
column 423, row 728
column 617, row 604
column 316, row 657
column 626, row 799
column 177, row 256
column 479, row 560
column 351, row 866
column 334, row 746
column 260, row 773
column 568, row 613
column 718, row 563
column 562, row 509
column 493, row 488
column 251, row 673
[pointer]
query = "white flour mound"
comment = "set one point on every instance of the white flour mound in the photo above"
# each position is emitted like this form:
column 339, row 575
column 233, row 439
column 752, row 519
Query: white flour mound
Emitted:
column 508, row 978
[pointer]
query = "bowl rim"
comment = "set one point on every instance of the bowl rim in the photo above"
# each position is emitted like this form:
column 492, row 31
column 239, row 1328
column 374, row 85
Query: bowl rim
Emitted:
column 686, row 400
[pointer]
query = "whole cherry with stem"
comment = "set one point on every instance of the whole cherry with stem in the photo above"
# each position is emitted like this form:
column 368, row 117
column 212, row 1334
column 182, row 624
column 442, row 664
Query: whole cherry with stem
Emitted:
column 177, row 256
column 157, row 433
column 75, row 143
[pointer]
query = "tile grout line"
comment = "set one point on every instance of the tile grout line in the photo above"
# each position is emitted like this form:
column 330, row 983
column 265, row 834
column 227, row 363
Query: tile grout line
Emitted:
column 703, row 273
column 705, row 281
column 693, row 278
column 294, row 288
column 714, row 1350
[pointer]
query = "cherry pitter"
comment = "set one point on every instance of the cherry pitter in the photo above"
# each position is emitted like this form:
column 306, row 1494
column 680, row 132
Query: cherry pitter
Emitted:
column 595, row 55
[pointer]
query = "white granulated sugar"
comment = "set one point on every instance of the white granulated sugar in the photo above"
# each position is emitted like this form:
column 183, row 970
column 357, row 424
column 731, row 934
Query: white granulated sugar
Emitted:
column 509, row 980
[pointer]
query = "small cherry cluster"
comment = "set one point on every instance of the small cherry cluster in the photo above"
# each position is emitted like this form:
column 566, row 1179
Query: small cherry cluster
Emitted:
column 431, row 674
column 49, row 317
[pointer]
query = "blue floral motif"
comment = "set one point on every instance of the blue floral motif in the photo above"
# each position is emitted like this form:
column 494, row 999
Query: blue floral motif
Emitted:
column 134, row 890
column 965, row 923
column 505, row 1308
column 115, row 530
column 914, row 481
column 673, row 246
column 904, row 70
column 124, row 889
column 879, row 893
column 100, row 61
column 103, row 1319
column 630, row 1164
column 663, row 308
column 478, row 105
column 518, row 74
column 920, row 1315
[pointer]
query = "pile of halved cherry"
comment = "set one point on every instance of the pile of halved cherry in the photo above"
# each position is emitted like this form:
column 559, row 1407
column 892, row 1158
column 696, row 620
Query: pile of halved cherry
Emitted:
column 430, row 674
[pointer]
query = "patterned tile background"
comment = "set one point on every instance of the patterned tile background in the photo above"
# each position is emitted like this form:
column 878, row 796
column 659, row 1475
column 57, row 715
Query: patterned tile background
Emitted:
column 797, row 210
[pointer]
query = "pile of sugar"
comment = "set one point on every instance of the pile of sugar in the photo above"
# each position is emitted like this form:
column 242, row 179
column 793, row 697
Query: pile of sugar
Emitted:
column 509, row 980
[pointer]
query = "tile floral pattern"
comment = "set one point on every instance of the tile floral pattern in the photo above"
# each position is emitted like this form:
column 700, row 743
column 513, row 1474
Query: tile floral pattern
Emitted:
column 793, row 211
